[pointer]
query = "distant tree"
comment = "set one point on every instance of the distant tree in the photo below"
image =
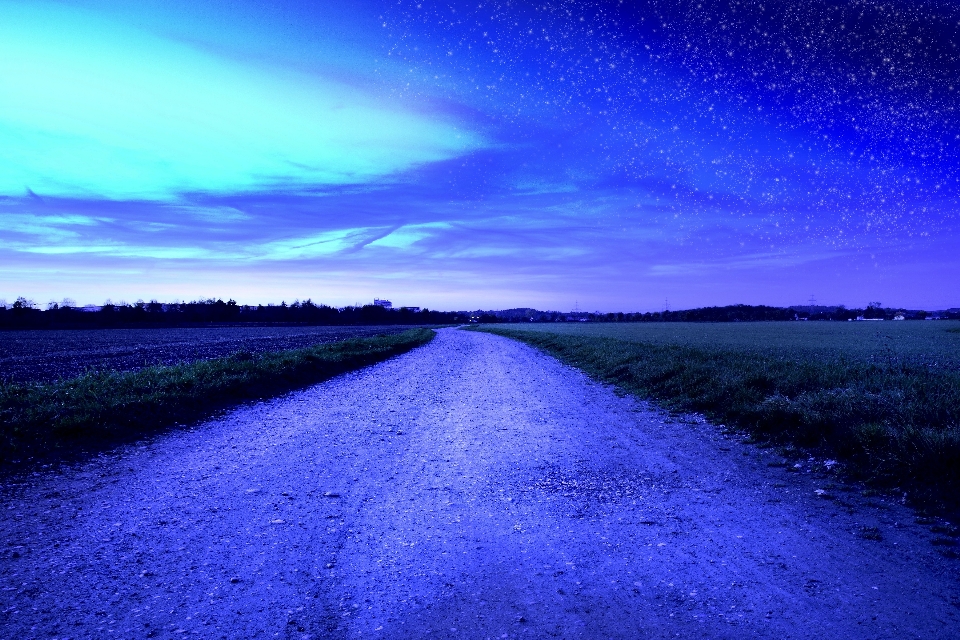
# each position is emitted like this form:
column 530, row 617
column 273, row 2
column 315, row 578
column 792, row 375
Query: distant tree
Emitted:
column 874, row 310
column 373, row 314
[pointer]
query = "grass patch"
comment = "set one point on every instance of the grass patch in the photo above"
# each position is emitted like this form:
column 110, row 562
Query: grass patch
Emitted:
column 893, row 423
column 40, row 419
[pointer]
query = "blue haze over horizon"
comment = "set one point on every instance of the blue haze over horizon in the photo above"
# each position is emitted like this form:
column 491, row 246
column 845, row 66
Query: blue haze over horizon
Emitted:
column 462, row 155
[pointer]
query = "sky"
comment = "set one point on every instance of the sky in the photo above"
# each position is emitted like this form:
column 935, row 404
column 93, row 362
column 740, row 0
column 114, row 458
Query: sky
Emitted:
column 608, row 156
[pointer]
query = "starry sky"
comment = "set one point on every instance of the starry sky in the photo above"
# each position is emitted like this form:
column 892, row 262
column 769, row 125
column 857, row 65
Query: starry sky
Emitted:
column 616, row 156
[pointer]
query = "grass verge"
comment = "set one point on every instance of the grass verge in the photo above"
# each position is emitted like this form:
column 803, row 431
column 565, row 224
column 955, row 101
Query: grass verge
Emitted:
column 892, row 425
column 40, row 419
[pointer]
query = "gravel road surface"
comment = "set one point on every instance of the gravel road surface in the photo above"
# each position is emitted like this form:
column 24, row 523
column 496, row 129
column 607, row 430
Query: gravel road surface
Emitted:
column 472, row 488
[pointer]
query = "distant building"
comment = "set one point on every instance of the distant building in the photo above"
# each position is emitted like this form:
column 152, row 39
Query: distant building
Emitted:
column 386, row 304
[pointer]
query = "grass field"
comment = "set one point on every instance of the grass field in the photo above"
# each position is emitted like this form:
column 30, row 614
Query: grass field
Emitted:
column 48, row 355
column 39, row 419
column 932, row 344
column 882, row 397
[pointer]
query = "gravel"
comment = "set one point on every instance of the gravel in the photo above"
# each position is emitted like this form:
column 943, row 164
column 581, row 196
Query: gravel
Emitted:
column 472, row 488
column 45, row 356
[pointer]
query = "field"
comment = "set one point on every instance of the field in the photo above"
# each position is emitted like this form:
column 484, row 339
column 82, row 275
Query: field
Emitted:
column 881, row 397
column 101, row 407
column 935, row 345
column 45, row 356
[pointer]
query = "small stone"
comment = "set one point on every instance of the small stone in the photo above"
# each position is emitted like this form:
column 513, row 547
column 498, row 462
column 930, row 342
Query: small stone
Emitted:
column 234, row 580
column 331, row 494
column 277, row 521
column 399, row 433
column 329, row 565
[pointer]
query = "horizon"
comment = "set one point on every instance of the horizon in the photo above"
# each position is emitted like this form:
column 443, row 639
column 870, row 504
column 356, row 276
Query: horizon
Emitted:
column 461, row 155
column 70, row 303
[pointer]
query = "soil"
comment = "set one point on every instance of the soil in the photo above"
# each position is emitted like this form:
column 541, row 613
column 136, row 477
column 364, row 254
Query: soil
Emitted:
column 472, row 488
column 48, row 355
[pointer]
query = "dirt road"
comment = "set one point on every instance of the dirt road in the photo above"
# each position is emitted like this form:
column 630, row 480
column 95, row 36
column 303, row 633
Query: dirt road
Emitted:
column 472, row 488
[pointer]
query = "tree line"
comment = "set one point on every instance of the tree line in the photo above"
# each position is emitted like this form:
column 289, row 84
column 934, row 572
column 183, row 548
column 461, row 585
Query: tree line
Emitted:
column 730, row 313
column 25, row 315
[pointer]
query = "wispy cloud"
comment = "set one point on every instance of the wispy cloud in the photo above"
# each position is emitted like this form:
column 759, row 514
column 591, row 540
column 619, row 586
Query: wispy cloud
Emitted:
column 93, row 108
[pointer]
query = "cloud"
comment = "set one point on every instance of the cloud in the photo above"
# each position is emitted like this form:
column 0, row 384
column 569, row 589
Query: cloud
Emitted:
column 122, row 251
column 90, row 108
column 317, row 245
column 408, row 235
